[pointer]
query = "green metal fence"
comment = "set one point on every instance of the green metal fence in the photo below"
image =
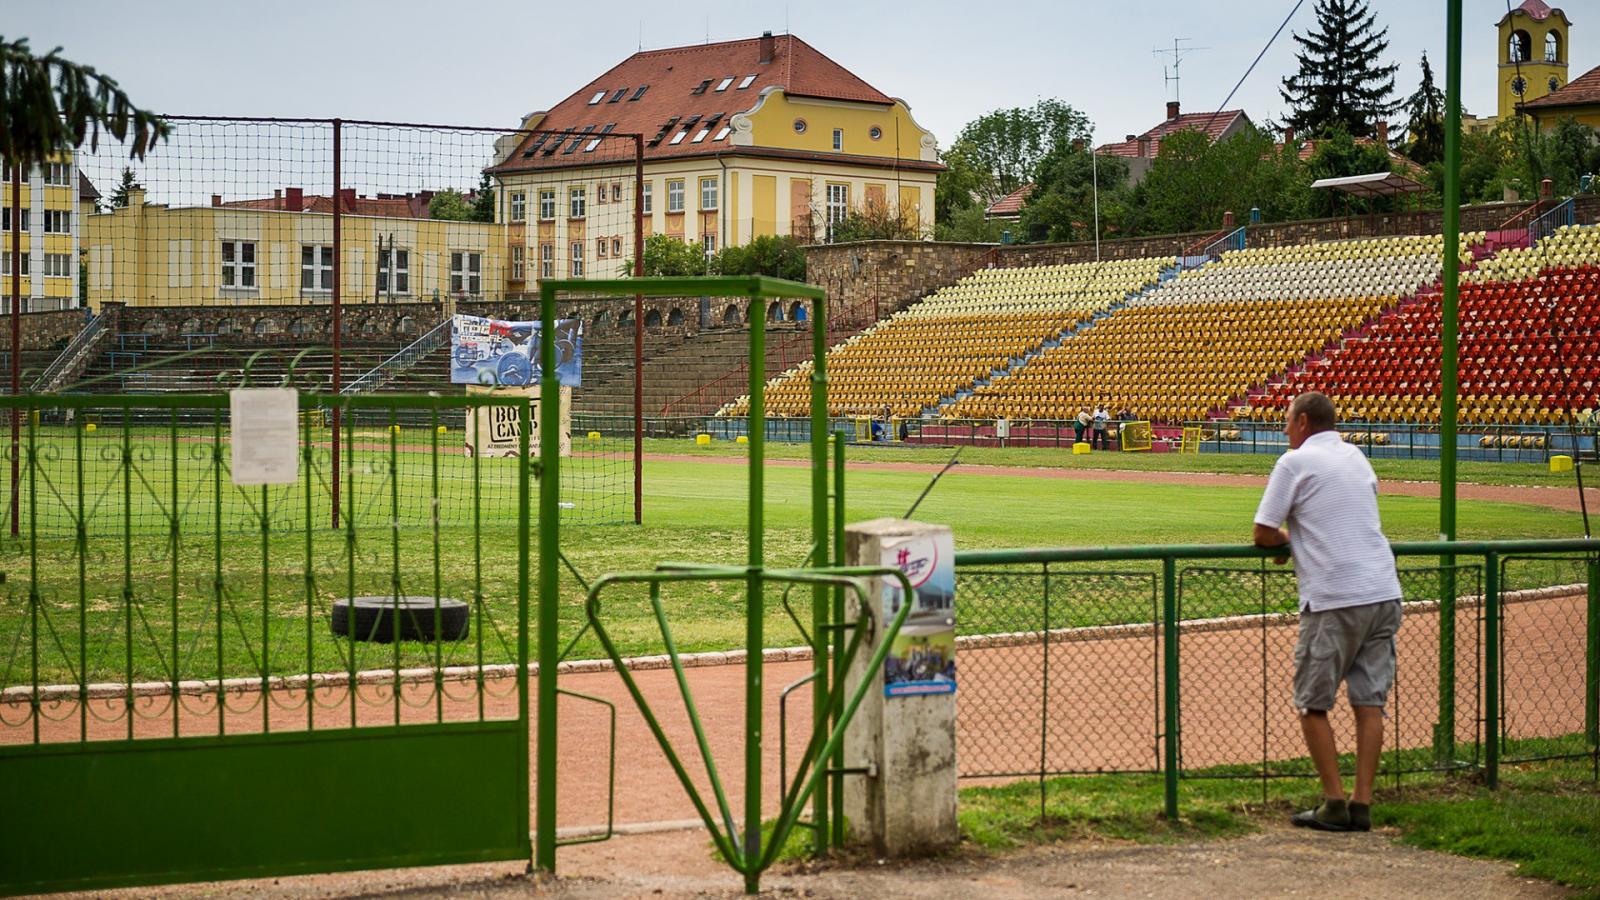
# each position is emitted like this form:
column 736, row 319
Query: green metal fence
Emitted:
column 167, row 668
column 1176, row 661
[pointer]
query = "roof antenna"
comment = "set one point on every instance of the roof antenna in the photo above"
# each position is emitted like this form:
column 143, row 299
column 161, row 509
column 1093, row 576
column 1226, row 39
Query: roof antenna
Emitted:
column 641, row 34
column 708, row 28
column 786, row 18
column 1177, row 54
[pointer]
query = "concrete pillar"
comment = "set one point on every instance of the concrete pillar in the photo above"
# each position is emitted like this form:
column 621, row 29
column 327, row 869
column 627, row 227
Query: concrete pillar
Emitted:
column 905, row 804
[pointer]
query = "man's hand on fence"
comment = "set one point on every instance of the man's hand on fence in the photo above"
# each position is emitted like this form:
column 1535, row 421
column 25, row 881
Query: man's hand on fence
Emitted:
column 1267, row 536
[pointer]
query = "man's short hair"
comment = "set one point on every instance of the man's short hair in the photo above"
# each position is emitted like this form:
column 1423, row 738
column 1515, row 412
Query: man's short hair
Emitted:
column 1318, row 410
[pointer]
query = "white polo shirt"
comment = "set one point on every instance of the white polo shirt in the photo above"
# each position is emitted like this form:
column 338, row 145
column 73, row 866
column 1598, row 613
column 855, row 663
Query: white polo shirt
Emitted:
column 1327, row 495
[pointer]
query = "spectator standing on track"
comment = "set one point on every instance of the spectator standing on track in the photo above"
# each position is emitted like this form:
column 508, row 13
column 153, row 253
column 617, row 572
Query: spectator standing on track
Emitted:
column 1101, row 442
column 1326, row 493
column 1080, row 425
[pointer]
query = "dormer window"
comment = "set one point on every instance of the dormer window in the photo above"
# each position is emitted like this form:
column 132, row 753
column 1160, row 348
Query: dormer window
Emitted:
column 639, row 93
column 745, row 82
column 621, row 92
column 702, row 88
column 723, row 84
column 597, row 98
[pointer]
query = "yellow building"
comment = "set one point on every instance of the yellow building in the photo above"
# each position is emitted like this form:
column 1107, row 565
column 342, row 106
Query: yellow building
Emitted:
column 764, row 136
column 280, row 250
column 53, row 201
column 1533, row 54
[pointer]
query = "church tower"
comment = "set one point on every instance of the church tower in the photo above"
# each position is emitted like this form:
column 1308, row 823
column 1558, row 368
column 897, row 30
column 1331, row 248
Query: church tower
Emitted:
column 1533, row 54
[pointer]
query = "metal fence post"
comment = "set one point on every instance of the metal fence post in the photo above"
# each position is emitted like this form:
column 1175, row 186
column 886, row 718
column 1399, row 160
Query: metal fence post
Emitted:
column 549, row 586
column 755, row 605
column 1491, row 669
column 820, row 594
column 1591, row 704
column 836, row 786
column 1169, row 679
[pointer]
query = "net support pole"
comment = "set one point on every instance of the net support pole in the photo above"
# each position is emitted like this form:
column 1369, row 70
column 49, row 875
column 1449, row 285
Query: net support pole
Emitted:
column 1169, row 687
column 755, row 612
column 638, row 331
column 544, row 829
column 1445, row 728
column 338, row 184
column 16, row 344
column 820, row 593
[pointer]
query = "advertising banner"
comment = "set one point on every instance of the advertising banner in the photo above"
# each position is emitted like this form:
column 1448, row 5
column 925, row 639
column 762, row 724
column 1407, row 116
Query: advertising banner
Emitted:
column 496, row 352
column 494, row 431
column 922, row 659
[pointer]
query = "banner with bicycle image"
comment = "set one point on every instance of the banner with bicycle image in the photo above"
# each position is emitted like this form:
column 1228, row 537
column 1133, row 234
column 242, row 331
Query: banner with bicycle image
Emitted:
column 487, row 351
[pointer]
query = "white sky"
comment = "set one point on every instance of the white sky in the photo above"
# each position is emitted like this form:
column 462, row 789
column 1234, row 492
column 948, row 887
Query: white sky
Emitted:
column 485, row 63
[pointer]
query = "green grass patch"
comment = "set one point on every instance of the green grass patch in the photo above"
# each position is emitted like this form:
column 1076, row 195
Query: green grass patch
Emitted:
column 136, row 604
column 1499, row 473
column 1544, row 817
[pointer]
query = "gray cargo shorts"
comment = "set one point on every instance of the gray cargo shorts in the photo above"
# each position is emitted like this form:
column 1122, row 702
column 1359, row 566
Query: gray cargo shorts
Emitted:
column 1353, row 644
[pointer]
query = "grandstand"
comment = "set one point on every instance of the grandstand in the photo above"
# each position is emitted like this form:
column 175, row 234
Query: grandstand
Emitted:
column 960, row 336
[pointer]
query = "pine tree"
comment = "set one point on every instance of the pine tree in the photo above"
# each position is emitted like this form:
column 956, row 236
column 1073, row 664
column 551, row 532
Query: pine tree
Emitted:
column 483, row 200
column 119, row 197
column 1425, row 112
column 1341, row 80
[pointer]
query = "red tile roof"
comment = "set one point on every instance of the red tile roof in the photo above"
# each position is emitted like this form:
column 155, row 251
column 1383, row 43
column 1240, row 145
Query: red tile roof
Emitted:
column 1398, row 162
column 1537, row 9
column 408, row 206
column 1010, row 204
column 1213, row 125
column 86, row 188
column 682, row 83
column 1581, row 91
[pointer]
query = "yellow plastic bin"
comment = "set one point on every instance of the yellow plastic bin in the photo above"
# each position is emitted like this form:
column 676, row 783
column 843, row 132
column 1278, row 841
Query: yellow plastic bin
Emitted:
column 1080, row 449
column 594, row 435
column 1561, row 463
column 741, row 439
column 702, row 440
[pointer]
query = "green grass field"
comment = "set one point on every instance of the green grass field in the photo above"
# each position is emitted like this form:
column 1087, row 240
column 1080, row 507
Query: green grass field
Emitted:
column 207, row 605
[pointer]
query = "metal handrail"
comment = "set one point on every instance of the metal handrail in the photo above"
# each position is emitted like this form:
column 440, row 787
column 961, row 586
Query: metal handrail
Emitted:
column 70, row 354
column 1545, row 224
column 403, row 359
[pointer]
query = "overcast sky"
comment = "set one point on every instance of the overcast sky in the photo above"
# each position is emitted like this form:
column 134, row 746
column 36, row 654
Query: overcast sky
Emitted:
column 486, row 63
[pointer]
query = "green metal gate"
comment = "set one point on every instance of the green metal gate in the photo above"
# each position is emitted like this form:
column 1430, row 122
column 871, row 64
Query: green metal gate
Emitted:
column 173, row 704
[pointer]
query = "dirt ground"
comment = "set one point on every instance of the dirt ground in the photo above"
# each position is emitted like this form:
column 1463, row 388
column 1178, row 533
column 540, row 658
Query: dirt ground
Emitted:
column 1277, row 861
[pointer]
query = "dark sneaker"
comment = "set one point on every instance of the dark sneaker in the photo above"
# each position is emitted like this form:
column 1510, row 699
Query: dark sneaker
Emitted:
column 1330, row 815
column 1360, row 817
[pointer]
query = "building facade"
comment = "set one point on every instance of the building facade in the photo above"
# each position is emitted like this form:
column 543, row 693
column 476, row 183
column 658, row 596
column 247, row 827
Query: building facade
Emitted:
column 53, row 200
column 765, row 136
column 280, row 250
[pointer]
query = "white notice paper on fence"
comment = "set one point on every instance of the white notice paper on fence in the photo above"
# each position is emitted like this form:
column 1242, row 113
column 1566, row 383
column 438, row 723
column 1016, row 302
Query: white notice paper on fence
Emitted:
column 266, row 435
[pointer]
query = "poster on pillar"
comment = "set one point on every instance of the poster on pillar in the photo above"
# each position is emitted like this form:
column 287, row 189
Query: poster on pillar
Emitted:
column 495, row 431
column 496, row 352
column 922, row 659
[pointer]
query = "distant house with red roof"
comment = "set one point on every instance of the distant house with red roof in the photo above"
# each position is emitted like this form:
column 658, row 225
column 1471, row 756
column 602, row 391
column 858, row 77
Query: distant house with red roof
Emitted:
column 762, row 136
column 1140, row 150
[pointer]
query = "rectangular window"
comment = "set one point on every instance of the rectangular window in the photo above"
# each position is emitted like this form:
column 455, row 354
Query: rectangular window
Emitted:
column 723, row 84
column 678, row 138
column 58, row 265
column 639, row 93
column 316, row 267
column 600, row 193
column 58, row 174
column 600, row 247
column 547, row 260
column 401, row 271
column 5, row 265
column 518, row 262
column 838, row 139
column 708, row 242
column 601, row 95
column 466, row 272
column 547, row 204
column 5, row 219
column 838, row 206
column 578, row 203
column 57, row 221
column 616, row 247
column 708, row 194
column 519, row 207
column 577, row 259
column 239, row 264
column 645, row 201
column 616, row 192
column 675, row 196
column 746, row 82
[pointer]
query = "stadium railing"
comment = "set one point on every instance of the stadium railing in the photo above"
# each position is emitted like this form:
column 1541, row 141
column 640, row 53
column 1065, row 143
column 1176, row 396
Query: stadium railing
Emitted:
column 1176, row 661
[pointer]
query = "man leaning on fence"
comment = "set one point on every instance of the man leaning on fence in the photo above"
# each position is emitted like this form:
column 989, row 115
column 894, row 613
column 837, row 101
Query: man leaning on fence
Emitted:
column 1326, row 493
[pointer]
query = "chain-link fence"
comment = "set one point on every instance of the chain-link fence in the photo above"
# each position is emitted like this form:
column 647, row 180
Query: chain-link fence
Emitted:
column 1176, row 661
